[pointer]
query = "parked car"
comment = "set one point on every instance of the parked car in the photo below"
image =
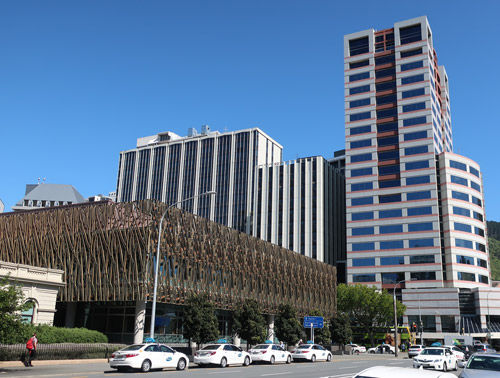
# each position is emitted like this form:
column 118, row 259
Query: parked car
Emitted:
column 484, row 348
column 357, row 349
column 414, row 350
column 222, row 355
column 467, row 350
column 483, row 365
column 311, row 352
column 148, row 356
column 383, row 348
column 398, row 372
column 456, row 351
column 270, row 353
column 438, row 358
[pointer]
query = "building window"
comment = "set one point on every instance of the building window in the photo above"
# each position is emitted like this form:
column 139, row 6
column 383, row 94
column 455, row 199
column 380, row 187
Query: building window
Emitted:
column 392, row 98
column 417, row 165
column 361, row 172
column 387, row 141
column 465, row 260
column 476, row 201
column 360, row 201
column 360, row 89
column 385, row 59
column 462, row 227
column 413, row 107
column 359, row 116
column 414, row 211
column 386, row 86
column 459, row 180
column 361, row 157
column 482, row 263
column 483, row 279
column 477, row 216
column 459, row 195
column 421, row 243
column 363, row 278
column 406, row 54
column 391, row 229
column 475, row 186
column 388, row 155
column 357, row 103
column 359, row 76
column 474, row 171
column 412, row 65
column 464, row 276
column 412, row 79
column 384, row 73
column 359, row 231
column 393, row 112
column 361, row 143
column 462, row 243
column 358, row 46
column 389, row 184
column 422, row 259
column 390, row 198
column 458, row 165
column 410, row 34
column 389, row 126
column 423, row 276
column 479, row 231
column 391, row 244
column 412, row 196
column 362, row 216
column 414, row 227
column 359, row 64
column 369, row 246
column 392, row 260
column 461, row 211
column 361, row 186
column 388, row 170
column 416, row 150
column 414, row 121
column 392, row 278
column 415, row 135
column 363, row 262
column 395, row 213
column 28, row 316
column 418, row 180
column 360, row 130
column 413, row 93
column 480, row 247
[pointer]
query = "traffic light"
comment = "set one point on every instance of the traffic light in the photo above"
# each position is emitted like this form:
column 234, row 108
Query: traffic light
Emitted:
column 414, row 327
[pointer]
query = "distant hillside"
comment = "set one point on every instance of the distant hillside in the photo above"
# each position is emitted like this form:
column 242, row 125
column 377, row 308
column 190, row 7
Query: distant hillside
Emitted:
column 494, row 244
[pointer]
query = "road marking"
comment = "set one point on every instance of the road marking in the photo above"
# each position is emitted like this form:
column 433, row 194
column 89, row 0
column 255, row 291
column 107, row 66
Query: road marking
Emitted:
column 266, row 375
column 224, row 372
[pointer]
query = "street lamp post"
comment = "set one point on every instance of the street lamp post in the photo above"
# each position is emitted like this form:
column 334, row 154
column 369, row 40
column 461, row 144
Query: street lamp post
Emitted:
column 396, row 317
column 157, row 262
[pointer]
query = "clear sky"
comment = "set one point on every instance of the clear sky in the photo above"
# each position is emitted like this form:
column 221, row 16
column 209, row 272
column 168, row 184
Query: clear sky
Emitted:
column 82, row 80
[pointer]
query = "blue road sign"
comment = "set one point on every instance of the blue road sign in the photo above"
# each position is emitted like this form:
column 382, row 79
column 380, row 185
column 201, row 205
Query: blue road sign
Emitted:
column 313, row 321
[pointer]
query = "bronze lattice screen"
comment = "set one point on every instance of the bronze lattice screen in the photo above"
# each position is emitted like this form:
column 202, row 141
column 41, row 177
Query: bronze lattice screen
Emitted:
column 107, row 252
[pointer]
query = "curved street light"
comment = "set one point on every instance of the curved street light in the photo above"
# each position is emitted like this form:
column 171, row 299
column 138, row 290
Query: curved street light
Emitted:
column 396, row 317
column 157, row 262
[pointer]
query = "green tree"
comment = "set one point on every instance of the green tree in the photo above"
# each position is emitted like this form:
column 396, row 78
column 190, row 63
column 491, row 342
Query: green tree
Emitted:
column 12, row 303
column 322, row 335
column 340, row 326
column 288, row 327
column 249, row 323
column 200, row 322
column 368, row 307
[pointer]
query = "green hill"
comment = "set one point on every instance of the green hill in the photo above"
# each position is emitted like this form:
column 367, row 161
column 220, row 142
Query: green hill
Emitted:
column 494, row 245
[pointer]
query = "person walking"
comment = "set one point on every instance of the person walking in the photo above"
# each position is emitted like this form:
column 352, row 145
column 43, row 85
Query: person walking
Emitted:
column 31, row 347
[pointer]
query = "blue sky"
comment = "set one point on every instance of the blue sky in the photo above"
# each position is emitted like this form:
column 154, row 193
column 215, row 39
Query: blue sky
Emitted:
column 82, row 80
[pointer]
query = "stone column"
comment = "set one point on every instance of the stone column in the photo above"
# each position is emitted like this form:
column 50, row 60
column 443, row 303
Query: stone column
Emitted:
column 140, row 317
column 270, row 327
column 69, row 321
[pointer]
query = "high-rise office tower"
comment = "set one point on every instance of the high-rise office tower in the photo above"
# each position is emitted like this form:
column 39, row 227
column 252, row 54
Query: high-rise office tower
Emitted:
column 415, row 210
column 300, row 205
column 171, row 168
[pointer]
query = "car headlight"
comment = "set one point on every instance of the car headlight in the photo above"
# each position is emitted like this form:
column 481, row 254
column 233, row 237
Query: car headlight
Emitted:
column 437, row 360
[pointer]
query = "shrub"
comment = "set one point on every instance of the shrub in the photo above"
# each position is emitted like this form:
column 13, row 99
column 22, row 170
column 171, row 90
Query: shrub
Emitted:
column 53, row 335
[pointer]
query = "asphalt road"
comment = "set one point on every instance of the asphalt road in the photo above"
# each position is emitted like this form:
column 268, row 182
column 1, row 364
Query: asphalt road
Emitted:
column 341, row 367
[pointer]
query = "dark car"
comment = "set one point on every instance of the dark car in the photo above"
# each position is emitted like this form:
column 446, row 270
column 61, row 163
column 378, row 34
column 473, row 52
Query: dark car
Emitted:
column 484, row 348
column 468, row 350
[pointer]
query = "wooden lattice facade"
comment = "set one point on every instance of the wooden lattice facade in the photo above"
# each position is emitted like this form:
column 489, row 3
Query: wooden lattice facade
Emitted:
column 107, row 252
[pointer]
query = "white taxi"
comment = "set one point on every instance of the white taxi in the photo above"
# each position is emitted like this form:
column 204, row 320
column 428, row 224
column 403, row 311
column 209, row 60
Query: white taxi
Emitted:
column 222, row 355
column 148, row 356
column 438, row 358
column 270, row 353
column 457, row 352
column 311, row 352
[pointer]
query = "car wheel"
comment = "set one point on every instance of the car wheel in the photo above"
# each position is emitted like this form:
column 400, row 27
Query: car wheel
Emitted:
column 357, row 352
column 329, row 357
column 289, row 360
column 456, row 366
column 146, row 366
column 313, row 358
column 272, row 360
column 445, row 368
column 247, row 361
column 181, row 365
column 372, row 352
column 223, row 362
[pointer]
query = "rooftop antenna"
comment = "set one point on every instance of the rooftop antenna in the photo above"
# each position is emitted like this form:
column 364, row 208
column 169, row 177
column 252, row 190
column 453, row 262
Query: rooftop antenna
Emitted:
column 39, row 181
column 44, row 180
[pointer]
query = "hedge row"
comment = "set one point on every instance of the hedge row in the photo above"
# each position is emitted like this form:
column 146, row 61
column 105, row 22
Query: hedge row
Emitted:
column 52, row 335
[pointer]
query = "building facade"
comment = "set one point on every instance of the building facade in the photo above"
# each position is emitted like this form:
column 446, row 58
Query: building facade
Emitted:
column 415, row 210
column 299, row 205
column 171, row 168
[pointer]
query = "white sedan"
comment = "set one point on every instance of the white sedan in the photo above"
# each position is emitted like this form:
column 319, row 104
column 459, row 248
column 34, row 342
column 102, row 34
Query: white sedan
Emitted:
column 457, row 352
column 357, row 349
column 148, row 356
column 270, row 353
column 223, row 355
column 311, row 352
column 438, row 358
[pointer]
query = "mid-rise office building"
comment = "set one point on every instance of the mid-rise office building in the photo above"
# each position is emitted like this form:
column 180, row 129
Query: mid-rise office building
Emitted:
column 300, row 205
column 415, row 210
column 171, row 168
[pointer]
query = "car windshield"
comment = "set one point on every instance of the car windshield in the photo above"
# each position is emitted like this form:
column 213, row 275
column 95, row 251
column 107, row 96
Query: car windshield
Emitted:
column 262, row 346
column 211, row 347
column 432, row 352
column 304, row 347
column 134, row 347
column 484, row 363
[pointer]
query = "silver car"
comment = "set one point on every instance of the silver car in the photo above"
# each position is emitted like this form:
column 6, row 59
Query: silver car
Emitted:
column 482, row 365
